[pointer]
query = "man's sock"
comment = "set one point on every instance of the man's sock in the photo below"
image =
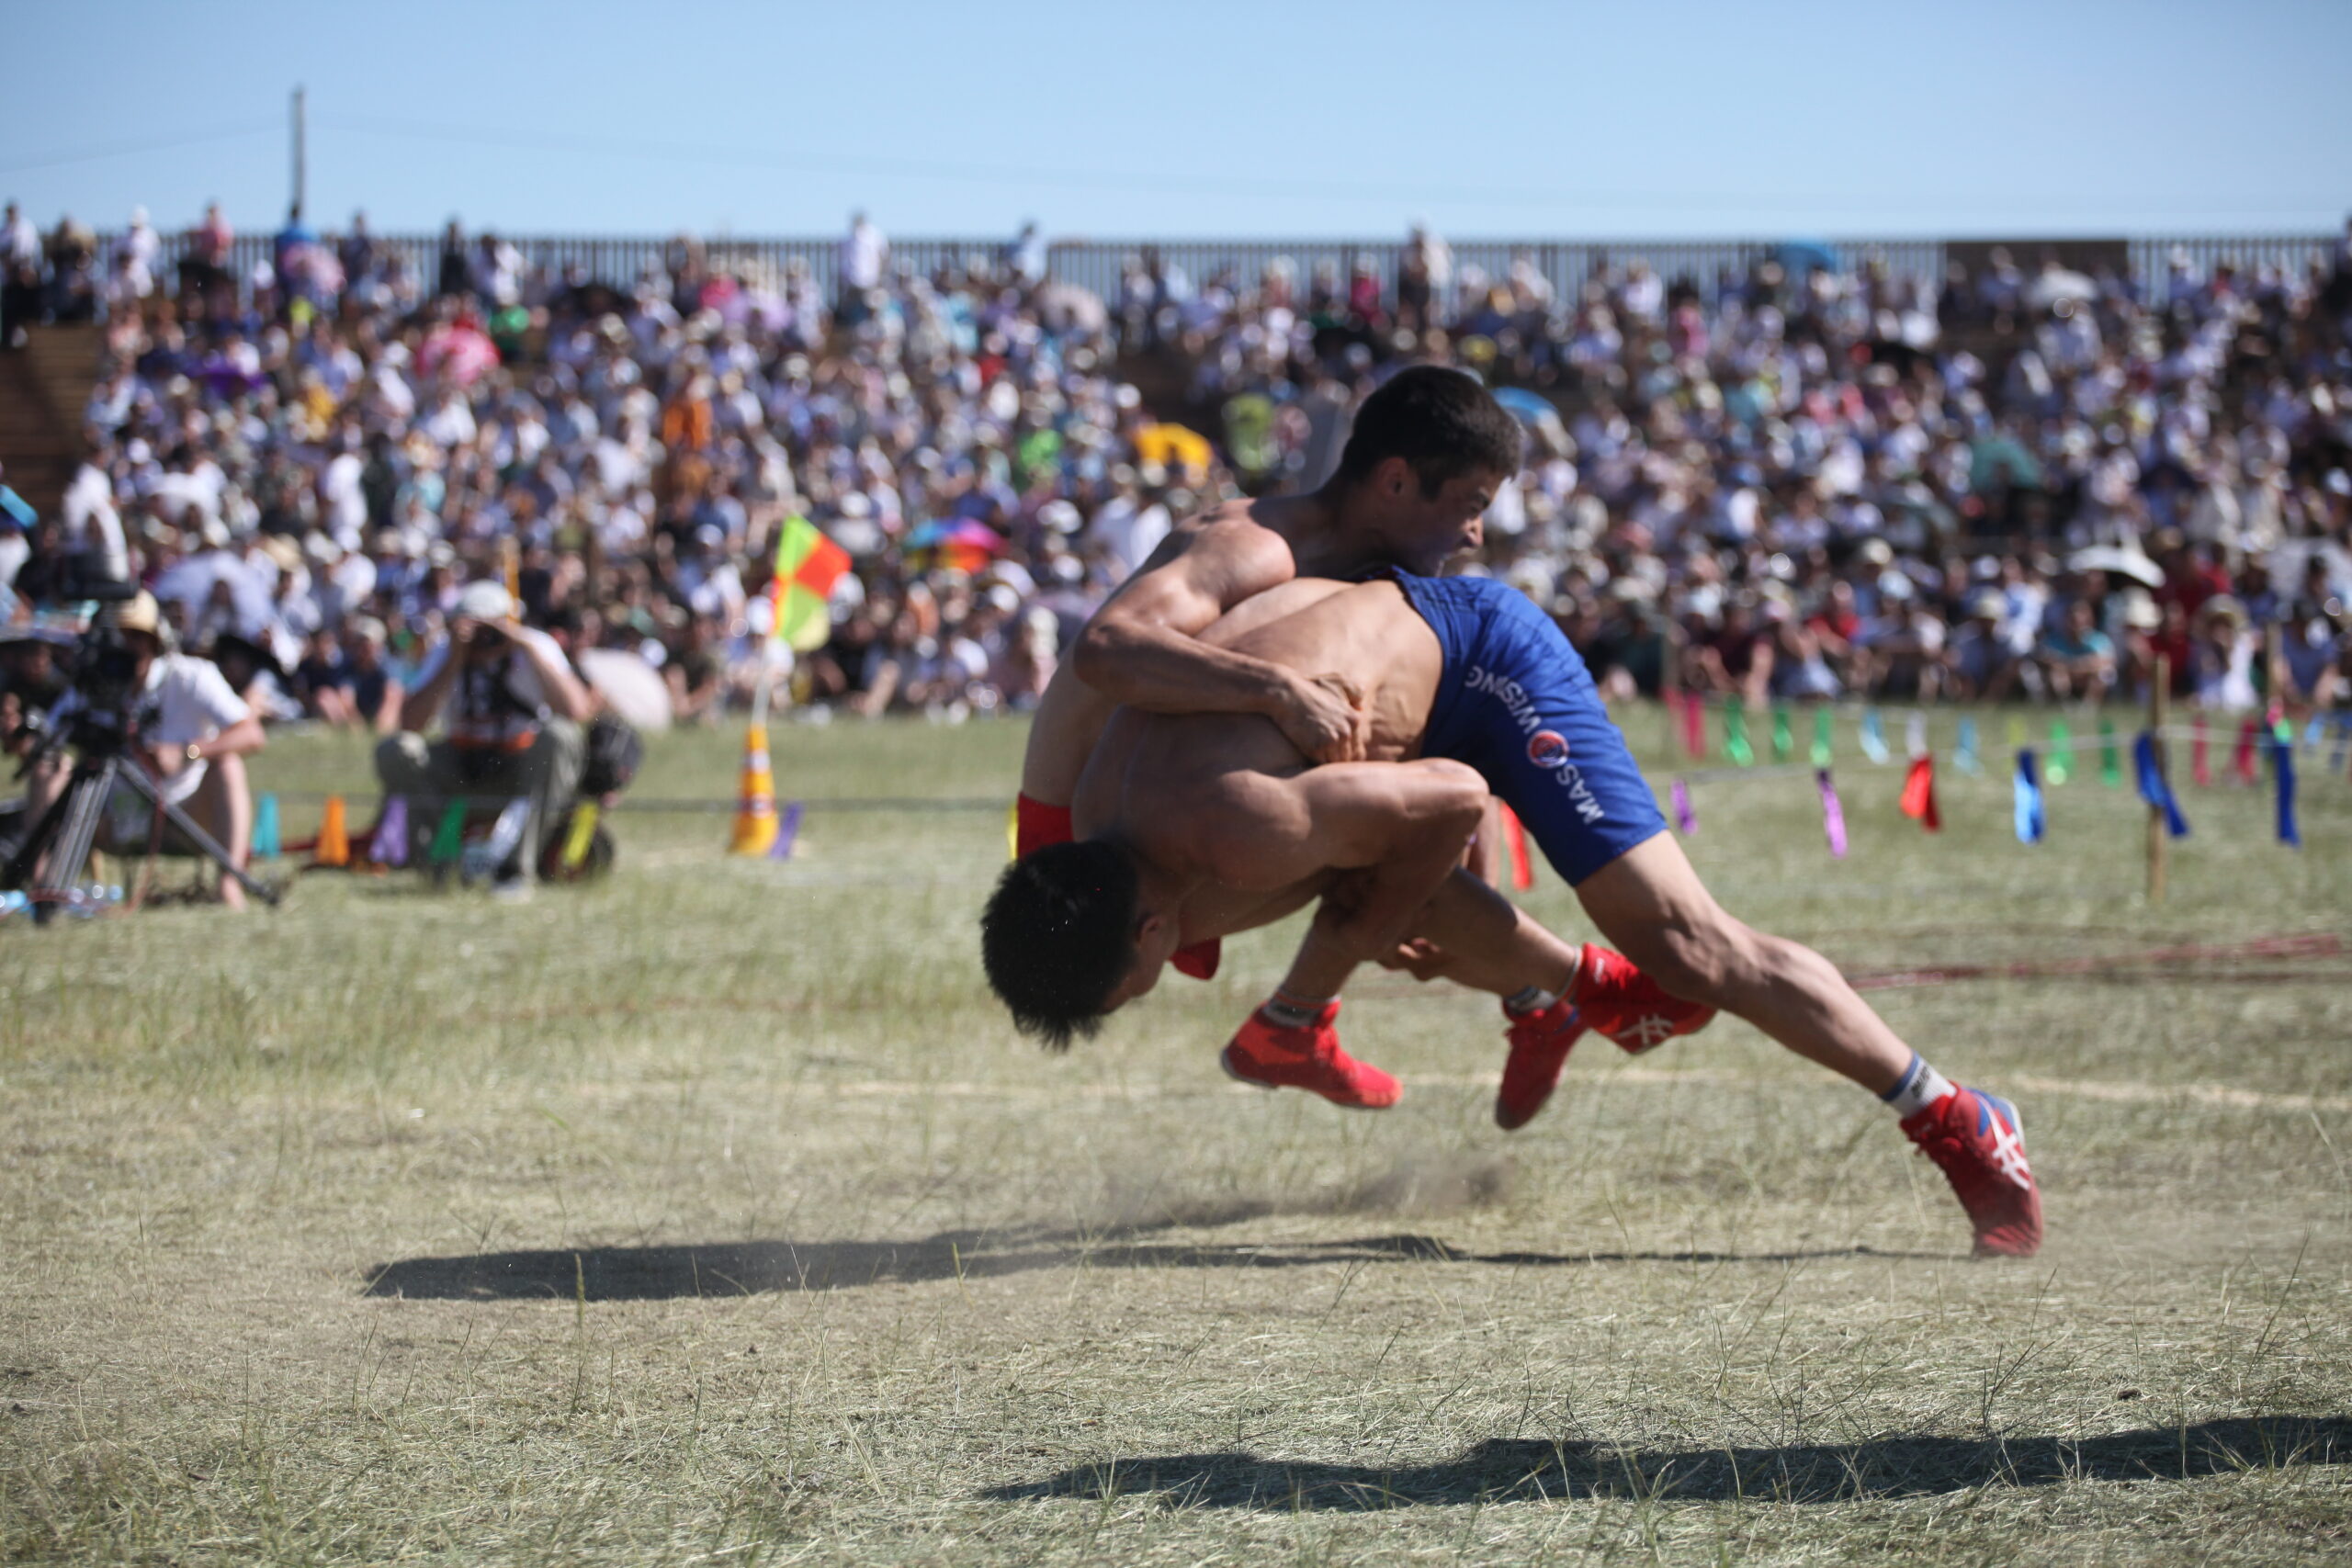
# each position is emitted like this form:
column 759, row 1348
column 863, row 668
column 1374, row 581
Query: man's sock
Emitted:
column 1919, row 1086
column 1576, row 977
column 1535, row 998
column 1286, row 1011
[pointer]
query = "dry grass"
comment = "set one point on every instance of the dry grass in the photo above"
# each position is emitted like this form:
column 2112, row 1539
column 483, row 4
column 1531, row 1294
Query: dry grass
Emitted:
column 716, row 1215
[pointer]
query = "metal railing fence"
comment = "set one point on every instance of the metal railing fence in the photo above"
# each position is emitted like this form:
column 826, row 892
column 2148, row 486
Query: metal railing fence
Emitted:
column 1096, row 265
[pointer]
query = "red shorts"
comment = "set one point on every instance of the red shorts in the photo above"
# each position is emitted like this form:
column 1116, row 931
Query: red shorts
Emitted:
column 1037, row 825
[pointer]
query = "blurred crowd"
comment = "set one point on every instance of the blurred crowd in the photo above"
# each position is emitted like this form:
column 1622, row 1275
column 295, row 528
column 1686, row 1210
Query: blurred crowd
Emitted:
column 1807, row 478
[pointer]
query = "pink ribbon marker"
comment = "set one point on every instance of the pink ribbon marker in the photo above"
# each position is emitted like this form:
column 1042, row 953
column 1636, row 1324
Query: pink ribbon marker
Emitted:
column 1686, row 821
column 1833, row 816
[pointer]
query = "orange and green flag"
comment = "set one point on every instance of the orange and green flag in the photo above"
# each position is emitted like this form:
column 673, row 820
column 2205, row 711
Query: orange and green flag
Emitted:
column 807, row 564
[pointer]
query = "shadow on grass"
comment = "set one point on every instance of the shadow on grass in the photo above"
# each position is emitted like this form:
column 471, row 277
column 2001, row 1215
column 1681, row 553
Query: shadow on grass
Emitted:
column 1499, row 1470
column 648, row 1273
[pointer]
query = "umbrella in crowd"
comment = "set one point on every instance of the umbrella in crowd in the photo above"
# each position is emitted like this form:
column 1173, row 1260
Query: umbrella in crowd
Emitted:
column 1173, row 445
column 1068, row 308
column 630, row 687
column 1536, row 413
column 1798, row 257
column 966, row 546
column 191, row 582
column 2116, row 561
column 2058, row 284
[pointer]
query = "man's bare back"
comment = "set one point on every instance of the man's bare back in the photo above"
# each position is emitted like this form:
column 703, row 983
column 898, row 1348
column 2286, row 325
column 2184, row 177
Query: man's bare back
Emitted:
column 1209, row 567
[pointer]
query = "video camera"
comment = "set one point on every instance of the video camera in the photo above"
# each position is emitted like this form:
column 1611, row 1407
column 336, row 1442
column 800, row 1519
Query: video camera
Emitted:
column 98, row 667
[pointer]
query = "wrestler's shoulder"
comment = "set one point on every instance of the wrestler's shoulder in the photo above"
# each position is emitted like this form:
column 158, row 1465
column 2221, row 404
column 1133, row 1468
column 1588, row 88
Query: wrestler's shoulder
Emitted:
column 1236, row 517
column 1241, row 530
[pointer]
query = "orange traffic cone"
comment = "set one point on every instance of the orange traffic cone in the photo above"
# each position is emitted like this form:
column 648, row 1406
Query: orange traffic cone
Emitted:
column 754, row 799
column 335, row 837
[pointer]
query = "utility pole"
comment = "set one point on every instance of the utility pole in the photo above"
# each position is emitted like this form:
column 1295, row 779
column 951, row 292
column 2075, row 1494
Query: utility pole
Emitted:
column 300, row 171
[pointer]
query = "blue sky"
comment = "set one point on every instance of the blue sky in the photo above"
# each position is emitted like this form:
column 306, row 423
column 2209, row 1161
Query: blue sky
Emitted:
column 1202, row 118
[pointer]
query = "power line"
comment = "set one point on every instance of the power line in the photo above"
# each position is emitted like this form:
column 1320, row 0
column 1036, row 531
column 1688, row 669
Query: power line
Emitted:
column 127, row 149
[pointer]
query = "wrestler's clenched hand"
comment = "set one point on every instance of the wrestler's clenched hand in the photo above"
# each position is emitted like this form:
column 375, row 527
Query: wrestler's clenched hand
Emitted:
column 1326, row 719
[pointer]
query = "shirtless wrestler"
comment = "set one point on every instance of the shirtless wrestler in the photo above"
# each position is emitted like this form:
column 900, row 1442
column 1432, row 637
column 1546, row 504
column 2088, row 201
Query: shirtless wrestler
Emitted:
column 1191, row 826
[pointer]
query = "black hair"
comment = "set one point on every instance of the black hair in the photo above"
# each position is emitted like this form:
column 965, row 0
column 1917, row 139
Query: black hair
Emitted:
column 1439, row 420
column 1056, row 935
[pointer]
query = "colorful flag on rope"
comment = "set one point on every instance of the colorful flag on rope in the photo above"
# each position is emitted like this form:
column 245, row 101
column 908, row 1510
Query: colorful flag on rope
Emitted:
column 1965, row 756
column 2032, row 820
column 1914, row 734
column 1823, row 731
column 2241, row 762
column 2111, row 760
column 2282, row 762
column 1686, row 821
column 581, row 835
column 266, row 831
column 1833, row 816
column 389, row 846
column 1522, row 874
column 1782, row 742
column 787, row 830
column 1920, row 795
column 1874, row 735
column 807, row 564
column 449, row 837
column 1735, row 746
column 2200, row 756
column 2155, row 788
column 1694, row 726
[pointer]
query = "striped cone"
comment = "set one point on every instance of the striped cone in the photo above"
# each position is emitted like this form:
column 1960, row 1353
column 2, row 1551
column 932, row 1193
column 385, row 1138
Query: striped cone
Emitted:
column 755, row 799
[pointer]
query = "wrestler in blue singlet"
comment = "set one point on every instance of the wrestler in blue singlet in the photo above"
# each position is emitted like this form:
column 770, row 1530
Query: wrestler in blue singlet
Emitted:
column 1516, row 704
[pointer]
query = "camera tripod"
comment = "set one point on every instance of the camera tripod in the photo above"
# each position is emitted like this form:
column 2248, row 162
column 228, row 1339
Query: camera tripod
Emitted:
column 68, row 830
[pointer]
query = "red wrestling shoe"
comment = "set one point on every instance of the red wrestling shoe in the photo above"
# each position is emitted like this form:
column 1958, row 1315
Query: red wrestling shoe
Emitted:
column 1270, row 1055
column 1539, row 1049
column 1199, row 960
column 1630, row 1009
column 1979, row 1142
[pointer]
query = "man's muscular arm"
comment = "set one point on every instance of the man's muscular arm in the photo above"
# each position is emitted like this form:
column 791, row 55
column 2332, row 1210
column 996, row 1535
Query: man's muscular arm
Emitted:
column 1400, row 825
column 1143, row 650
column 1392, row 832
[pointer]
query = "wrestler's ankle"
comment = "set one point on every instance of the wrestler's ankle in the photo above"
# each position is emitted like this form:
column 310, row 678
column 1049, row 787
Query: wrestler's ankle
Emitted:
column 1287, row 1010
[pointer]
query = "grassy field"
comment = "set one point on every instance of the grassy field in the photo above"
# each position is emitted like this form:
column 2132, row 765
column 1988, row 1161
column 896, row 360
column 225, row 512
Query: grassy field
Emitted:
column 715, row 1214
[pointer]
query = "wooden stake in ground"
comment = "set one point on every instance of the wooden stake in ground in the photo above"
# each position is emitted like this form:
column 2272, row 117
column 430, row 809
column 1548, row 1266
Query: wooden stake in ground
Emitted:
column 2159, row 840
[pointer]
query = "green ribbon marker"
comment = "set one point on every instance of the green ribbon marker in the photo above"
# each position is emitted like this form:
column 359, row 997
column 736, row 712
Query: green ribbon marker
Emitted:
column 2062, row 754
column 1783, row 742
column 2110, row 760
column 1822, row 735
column 449, row 838
column 1736, row 744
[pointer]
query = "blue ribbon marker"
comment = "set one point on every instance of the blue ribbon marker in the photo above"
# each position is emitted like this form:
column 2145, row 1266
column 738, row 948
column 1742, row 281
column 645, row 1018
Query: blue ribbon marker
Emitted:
column 1873, row 735
column 2155, row 788
column 1966, row 759
column 2032, row 822
column 2282, row 768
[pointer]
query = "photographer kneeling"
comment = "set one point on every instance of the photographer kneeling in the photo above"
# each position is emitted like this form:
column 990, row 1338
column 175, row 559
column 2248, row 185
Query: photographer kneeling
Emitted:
column 515, row 712
column 194, row 734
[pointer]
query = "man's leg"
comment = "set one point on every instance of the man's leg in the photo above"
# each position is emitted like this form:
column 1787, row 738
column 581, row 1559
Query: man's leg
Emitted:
column 1650, row 903
column 223, row 804
column 551, row 775
column 1467, row 932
